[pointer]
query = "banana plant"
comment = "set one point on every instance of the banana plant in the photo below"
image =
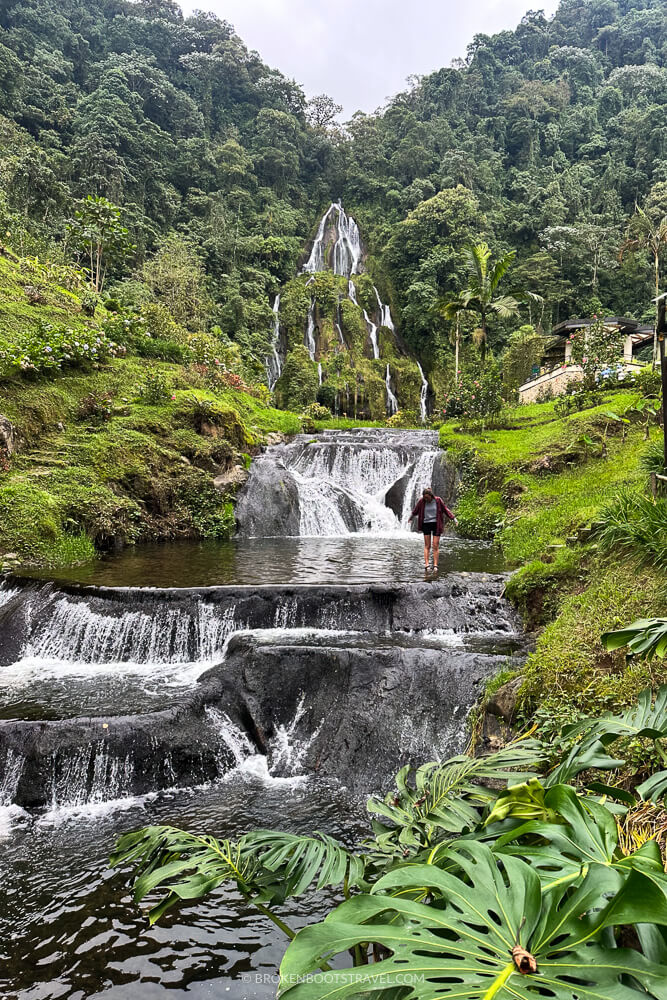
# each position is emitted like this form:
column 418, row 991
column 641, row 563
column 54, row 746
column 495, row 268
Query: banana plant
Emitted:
column 491, row 932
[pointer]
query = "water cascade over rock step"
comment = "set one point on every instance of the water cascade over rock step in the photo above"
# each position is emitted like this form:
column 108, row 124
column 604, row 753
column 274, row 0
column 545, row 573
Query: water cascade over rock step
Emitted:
column 364, row 650
column 343, row 482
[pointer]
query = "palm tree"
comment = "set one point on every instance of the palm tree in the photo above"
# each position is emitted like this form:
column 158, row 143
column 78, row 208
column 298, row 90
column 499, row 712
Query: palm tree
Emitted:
column 645, row 234
column 481, row 296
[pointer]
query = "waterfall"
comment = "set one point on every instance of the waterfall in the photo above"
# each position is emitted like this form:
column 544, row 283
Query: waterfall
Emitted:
column 310, row 331
column 88, row 776
column 352, row 292
column 384, row 312
column 347, row 251
column 340, row 337
column 11, row 772
column 373, row 333
column 337, row 484
column 319, row 372
column 316, row 260
column 76, row 633
column 392, row 402
column 423, row 398
column 7, row 593
column 347, row 248
column 273, row 362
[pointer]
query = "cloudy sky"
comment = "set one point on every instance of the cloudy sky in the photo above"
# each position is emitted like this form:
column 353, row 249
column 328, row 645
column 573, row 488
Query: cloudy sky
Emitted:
column 361, row 51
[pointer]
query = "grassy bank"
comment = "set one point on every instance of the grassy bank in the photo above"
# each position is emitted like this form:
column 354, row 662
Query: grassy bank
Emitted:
column 119, row 450
column 537, row 486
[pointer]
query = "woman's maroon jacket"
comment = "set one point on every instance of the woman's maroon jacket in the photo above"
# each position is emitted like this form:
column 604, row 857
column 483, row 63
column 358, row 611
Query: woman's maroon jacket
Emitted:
column 442, row 512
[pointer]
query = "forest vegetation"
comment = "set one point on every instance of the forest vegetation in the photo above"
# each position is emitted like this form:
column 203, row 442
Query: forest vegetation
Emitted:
column 159, row 188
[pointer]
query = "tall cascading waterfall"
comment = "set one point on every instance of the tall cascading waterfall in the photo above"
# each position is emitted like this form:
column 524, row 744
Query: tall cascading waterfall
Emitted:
column 273, row 361
column 346, row 260
column 392, row 402
column 347, row 247
column 423, row 398
column 373, row 332
column 310, row 331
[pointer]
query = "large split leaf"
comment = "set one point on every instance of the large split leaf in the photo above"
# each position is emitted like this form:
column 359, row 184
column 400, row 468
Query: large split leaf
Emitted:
column 644, row 638
column 647, row 719
column 584, row 834
column 460, row 947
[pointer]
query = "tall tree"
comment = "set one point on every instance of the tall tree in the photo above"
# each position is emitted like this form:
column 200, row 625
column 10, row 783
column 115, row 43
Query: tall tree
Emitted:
column 481, row 295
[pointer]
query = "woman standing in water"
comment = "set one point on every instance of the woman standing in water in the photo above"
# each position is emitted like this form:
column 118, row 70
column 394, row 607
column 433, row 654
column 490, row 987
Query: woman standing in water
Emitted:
column 430, row 513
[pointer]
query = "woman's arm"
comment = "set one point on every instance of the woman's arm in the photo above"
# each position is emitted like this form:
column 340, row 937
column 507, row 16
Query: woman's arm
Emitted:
column 448, row 512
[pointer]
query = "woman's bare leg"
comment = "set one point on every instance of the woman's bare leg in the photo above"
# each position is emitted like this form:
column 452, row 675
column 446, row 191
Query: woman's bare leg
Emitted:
column 427, row 550
column 436, row 550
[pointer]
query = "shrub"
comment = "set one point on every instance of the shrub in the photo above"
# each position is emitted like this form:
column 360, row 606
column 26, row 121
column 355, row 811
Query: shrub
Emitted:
column 403, row 418
column 478, row 395
column 53, row 347
column 154, row 388
column 480, row 516
column 317, row 412
column 96, row 407
column 205, row 350
column 636, row 525
column 648, row 381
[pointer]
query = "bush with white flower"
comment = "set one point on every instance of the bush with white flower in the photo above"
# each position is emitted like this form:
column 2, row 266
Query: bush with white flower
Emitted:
column 52, row 347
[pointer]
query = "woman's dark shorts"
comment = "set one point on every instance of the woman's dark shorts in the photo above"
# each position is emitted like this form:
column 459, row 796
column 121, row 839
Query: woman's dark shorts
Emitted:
column 430, row 528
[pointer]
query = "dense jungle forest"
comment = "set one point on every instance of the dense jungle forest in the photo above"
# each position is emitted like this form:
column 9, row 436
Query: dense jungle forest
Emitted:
column 541, row 140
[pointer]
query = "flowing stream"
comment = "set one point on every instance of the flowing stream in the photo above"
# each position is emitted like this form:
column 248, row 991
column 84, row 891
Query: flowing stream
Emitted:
column 224, row 687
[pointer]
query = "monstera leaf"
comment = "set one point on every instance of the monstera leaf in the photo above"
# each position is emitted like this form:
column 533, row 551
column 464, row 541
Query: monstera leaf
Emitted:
column 647, row 719
column 493, row 934
column 583, row 833
column 645, row 638
column 295, row 863
column 442, row 799
column 265, row 866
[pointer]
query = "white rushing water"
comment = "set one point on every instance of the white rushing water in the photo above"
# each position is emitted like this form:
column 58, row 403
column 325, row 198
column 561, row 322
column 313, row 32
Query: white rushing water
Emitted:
column 423, row 398
column 77, row 634
column 273, row 362
column 373, row 333
column 392, row 402
column 286, row 752
column 384, row 312
column 347, row 246
column 343, row 480
column 319, row 372
column 352, row 292
column 310, row 331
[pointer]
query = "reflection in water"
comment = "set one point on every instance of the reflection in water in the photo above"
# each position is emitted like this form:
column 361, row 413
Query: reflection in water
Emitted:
column 251, row 561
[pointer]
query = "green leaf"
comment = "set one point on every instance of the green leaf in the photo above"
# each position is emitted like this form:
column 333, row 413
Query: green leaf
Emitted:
column 645, row 638
column 460, row 946
column 439, row 800
column 586, row 835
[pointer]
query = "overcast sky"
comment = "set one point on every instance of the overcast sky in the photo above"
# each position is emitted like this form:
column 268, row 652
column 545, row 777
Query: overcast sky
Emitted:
column 361, row 51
